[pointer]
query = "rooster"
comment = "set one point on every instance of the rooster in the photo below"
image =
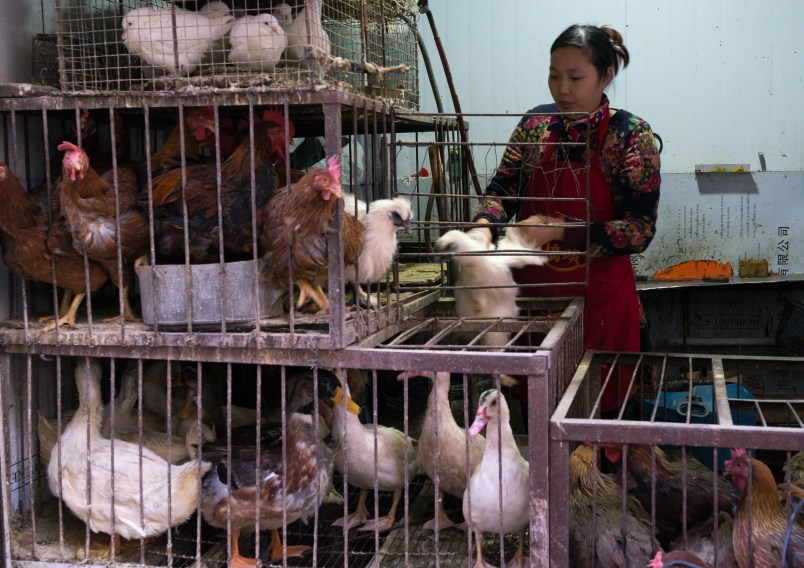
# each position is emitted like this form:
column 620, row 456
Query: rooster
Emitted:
column 669, row 485
column 761, row 523
column 90, row 204
column 201, row 196
column 294, row 237
column 620, row 541
column 382, row 223
column 29, row 246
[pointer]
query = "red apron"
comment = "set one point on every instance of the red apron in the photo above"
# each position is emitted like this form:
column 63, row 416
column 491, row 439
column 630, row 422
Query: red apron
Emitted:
column 611, row 305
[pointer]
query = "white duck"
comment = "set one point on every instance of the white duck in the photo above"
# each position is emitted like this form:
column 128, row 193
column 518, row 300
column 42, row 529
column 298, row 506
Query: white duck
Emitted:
column 69, row 482
column 484, row 485
column 126, row 412
column 447, row 458
column 357, row 453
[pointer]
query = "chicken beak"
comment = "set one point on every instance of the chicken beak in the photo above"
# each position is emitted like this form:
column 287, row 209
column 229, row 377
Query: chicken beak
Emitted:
column 480, row 422
column 209, row 125
column 407, row 224
column 348, row 403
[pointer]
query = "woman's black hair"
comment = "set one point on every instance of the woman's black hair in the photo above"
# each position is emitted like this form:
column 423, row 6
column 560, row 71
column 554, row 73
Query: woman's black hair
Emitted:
column 603, row 44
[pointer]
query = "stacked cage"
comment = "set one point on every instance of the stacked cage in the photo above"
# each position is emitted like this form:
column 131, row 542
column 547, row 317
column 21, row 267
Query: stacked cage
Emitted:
column 215, row 319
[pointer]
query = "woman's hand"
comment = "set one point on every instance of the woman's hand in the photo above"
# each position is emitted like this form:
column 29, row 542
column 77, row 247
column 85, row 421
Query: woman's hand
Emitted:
column 481, row 234
column 540, row 229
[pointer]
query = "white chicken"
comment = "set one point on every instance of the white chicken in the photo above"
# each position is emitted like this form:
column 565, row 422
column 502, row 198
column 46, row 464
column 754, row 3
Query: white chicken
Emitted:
column 306, row 31
column 283, row 14
column 257, row 41
column 150, row 34
column 485, row 286
column 383, row 221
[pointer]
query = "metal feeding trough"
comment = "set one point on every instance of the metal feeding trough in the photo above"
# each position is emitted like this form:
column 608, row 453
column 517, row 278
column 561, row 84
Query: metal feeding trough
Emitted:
column 232, row 293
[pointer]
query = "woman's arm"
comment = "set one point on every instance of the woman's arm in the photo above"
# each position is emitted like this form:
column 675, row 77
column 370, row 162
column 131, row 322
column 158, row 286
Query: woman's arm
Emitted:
column 511, row 177
column 634, row 171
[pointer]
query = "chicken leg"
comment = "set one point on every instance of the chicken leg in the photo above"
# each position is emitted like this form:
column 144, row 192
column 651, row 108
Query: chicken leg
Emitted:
column 276, row 548
column 316, row 294
column 384, row 523
column 64, row 306
column 358, row 517
column 128, row 311
column 69, row 317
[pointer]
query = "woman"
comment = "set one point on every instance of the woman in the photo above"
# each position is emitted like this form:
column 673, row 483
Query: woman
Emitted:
column 623, row 190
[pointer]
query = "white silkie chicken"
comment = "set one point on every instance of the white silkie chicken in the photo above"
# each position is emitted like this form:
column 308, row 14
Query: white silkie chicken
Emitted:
column 383, row 220
column 502, row 471
column 257, row 41
column 485, row 286
column 306, row 30
column 149, row 34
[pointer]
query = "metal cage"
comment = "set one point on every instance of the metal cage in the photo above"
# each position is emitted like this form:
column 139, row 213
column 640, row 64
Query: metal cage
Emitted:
column 694, row 407
column 367, row 48
column 254, row 387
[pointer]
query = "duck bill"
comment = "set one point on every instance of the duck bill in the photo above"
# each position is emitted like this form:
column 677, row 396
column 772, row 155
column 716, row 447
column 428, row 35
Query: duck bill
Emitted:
column 480, row 422
column 188, row 410
column 341, row 399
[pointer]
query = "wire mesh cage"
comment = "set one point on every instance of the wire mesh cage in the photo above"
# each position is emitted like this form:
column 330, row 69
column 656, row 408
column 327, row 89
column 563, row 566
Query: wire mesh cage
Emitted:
column 688, row 461
column 78, row 429
column 195, row 281
column 153, row 45
column 45, row 60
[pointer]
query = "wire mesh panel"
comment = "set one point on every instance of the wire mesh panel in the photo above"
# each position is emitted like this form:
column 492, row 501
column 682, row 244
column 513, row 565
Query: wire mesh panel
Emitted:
column 155, row 45
column 690, row 461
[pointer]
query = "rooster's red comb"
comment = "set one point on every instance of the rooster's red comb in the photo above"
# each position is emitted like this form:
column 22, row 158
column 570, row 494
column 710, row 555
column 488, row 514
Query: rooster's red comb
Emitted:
column 276, row 116
column 64, row 146
column 334, row 166
column 735, row 454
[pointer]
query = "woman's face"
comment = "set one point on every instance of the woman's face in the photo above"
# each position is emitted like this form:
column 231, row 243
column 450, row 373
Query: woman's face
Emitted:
column 574, row 81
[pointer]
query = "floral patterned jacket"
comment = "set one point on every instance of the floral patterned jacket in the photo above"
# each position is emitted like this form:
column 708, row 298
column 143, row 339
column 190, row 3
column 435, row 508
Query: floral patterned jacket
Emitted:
column 629, row 160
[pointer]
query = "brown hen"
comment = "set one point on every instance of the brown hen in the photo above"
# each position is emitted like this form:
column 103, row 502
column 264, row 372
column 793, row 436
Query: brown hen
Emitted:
column 93, row 208
column 29, row 245
column 761, row 523
column 294, row 235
